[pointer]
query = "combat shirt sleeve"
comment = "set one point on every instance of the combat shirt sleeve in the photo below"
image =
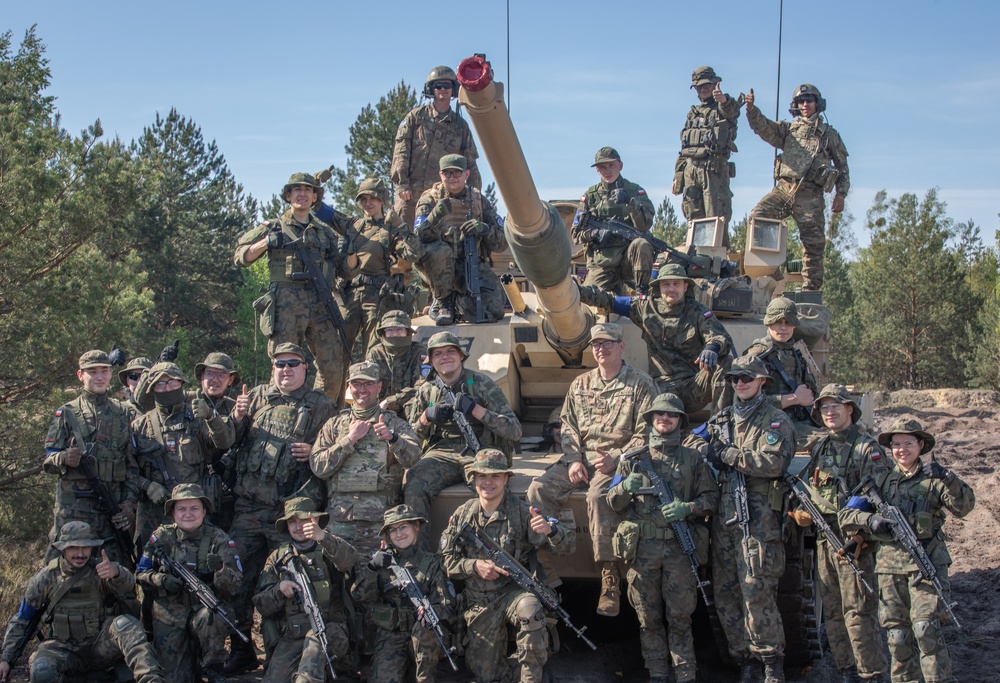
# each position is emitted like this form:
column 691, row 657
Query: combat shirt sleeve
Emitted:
column 706, row 491
column 364, row 588
column 838, row 154
column 730, row 109
column 35, row 597
column 495, row 239
column 268, row 600
column 572, row 442
column 957, row 496
column 406, row 450
column 617, row 497
column 713, row 333
column 339, row 552
column 499, row 418
column 426, row 230
column 56, row 441
column 331, row 449
column 399, row 172
column 641, row 210
column 456, row 562
column 439, row 591
column 246, row 241
column 771, row 132
column 217, row 431
column 228, row 578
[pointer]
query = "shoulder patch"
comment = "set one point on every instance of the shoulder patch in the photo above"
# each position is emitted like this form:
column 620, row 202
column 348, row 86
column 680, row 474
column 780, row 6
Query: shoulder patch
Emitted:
column 232, row 543
column 709, row 314
column 583, row 198
column 876, row 454
column 58, row 412
column 775, row 425
column 642, row 191
column 771, row 438
column 152, row 538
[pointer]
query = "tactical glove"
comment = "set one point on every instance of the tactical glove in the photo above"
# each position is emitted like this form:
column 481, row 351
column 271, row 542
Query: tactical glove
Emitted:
column 714, row 457
column 116, row 356
column 213, row 562
column 620, row 195
column 71, row 457
column 440, row 210
column 632, row 483
column 709, row 358
column 275, row 239
column 465, row 404
column 880, row 525
column 473, row 228
column 169, row 353
column 171, row 584
column 439, row 412
column 201, row 409
column 675, row 511
column 380, row 560
column 933, row 470
column 157, row 493
column 217, row 467
column 324, row 175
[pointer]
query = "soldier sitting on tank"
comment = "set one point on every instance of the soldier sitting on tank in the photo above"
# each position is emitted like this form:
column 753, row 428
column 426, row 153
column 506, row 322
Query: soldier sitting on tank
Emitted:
column 813, row 161
column 426, row 134
column 447, row 213
column 446, row 452
column 400, row 361
column 294, row 652
column 689, row 349
column 613, row 261
column 793, row 384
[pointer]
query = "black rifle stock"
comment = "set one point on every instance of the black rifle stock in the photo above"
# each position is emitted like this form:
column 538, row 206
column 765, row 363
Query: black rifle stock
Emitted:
column 461, row 421
column 196, row 586
column 405, row 583
column 305, row 596
column 322, row 288
column 738, row 481
column 473, row 283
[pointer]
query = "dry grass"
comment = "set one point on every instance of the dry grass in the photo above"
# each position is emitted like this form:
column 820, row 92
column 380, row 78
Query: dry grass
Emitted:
column 19, row 560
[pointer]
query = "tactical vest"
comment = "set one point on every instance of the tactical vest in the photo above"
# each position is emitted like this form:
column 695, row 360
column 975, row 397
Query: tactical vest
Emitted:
column 600, row 205
column 806, row 154
column 327, row 587
column 707, row 134
column 447, row 435
column 794, row 365
column 364, row 471
column 373, row 247
column 673, row 340
column 283, row 263
column 178, row 434
column 80, row 612
column 110, row 442
column 914, row 501
column 464, row 209
column 836, row 476
column 395, row 611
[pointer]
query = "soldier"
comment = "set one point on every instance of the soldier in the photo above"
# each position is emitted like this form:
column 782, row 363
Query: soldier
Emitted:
column 291, row 311
column 360, row 455
column 94, row 427
column 129, row 377
column 215, row 375
column 909, row 609
column 184, row 630
column 447, row 213
column 612, row 261
column 659, row 575
column 175, row 442
column 689, row 349
column 839, row 460
column 793, row 382
column 426, row 134
column 400, row 361
column 401, row 636
column 325, row 559
column 813, row 161
column 272, row 466
column 601, row 419
column 703, row 169
column 756, row 438
column 80, row 631
column 491, row 600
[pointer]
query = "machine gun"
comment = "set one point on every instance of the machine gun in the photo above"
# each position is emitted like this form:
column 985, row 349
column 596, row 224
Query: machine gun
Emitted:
column 682, row 530
column 739, row 483
column 195, row 585
column 903, row 534
column 304, row 595
column 519, row 575
column 30, row 631
column 473, row 283
column 795, row 484
column 322, row 288
column 405, row 584
column 461, row 421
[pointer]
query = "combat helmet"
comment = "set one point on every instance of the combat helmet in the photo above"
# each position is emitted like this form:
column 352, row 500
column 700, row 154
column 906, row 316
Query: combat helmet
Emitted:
column 802, row 91
column 441, row 73
column 374, row 187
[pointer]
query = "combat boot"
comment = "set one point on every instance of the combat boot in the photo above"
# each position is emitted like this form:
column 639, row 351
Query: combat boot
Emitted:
column 242, row 656
column 850, row 675
column 446, row 316
column 750, row 671
column 434, row 310
column 610, row 601
column 774, row 670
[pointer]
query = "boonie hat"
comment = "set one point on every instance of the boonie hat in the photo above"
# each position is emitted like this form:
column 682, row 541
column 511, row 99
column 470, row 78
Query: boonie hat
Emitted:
column 300, row 508
column 76, row 534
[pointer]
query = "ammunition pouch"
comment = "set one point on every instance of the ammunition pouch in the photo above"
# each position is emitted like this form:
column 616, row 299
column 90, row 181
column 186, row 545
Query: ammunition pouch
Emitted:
column 265, row 309
column 389, row 618
column 827, row 178
column 731, row 166
column 625, row 541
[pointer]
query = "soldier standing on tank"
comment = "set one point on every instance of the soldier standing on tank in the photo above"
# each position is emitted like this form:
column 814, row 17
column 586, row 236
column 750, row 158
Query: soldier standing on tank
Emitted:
column 272, row 466
column 129, row 377
column 184, row 630
column 80, row 631
column 448, row 212
column 360, row 455
column 613, row 261
column 601, row 419
column 839, row 460
column 660, row 581
column 813, row 161
column 910, row 610
column 689, row 349
column 400, row 361
column 756, row 438
column 103, row 425
column 426, row 134
column 400, row 636
column 793, row 384
column 445, row 451
column 216, row 375
column 703, row 169
column 491, row 600
column 326, row 559
column 291, row 311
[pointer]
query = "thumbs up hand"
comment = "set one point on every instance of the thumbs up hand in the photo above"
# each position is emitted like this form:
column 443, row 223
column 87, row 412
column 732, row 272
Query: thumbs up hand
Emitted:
column 242, row 405
column 313, row 530
column 749, row 100
column 382, row 430
column 106, row 569
column 539, row 523
column 718, row 95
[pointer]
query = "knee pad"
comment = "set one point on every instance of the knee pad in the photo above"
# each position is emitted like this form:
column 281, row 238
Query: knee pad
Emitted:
column 898, row 637
column 44, row 670
column 926, row 635
column 127, row 631
column 530, row 614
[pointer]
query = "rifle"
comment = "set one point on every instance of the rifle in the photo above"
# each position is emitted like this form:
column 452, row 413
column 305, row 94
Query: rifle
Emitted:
column 519, row 575
column 155, row 456
column 305, row 597
column 315, row 275
column 902, row 533
column 828, row 533
column 473, row 283
column 771, row 361
column 739, row 484
column 195, row 585
column 459, row 418
column 682, row 530
column 298, row 434
column 405, row 583
column 30, row 631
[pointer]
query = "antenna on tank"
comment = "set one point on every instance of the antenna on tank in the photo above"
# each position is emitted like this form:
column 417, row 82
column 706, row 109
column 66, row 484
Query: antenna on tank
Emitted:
column 508, row 56
column 777, row 93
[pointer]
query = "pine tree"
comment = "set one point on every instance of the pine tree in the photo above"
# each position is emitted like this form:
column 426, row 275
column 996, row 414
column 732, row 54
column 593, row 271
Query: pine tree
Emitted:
column 666, row 225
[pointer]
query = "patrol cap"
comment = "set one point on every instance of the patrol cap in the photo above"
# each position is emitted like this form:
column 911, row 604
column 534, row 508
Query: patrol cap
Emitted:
column 139, row 364
column 396, row 318
column 94, row 359
column 302, row 179
column 364, row 370
column 610, row 331
column 606, row 154
column 400, row 513
column 840, row 394
column 288, row 347
column 186, row 492
column 373, row 187
column 160, row 370
column 748, row 365
column 671, row 271
column 488, row 461
column 782, row 309
column 907, row 426
column 456, row 161
column 666, row 403
column 442, row 339
column 76, row 535
column 217, row 361
column 704, row 75
column 300, row 508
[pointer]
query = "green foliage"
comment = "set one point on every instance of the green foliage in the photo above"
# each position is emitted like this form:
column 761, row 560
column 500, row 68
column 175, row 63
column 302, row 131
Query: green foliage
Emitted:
column 666, row 225
column 984, row 281
column 838, row 296
column 251, row 354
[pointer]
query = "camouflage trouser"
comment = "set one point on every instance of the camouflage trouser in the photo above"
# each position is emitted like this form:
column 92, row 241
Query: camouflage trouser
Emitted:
column 121, row 638
column 180, row 634
column 492, row 295
column 660, row 582
column 702, row 388
column 436, row 470
column 706, row 190
column 486, row 653
column 611, row 267
column 99, row 523
column 255, row 536
column 911, row 616
column 301, row 319
column 806, row 208
column 849, row 611
column 395, row 649
column 407, row 210
column 301, row 660
column 444, row 272
column 550, row 491
column 357, row 518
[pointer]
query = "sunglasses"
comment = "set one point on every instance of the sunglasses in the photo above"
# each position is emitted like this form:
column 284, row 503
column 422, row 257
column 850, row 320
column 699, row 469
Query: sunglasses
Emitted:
column 442, row 85
column 741, row 379
column 452, row 173
column 803, row 100
column 134, row 376
column 289, row 363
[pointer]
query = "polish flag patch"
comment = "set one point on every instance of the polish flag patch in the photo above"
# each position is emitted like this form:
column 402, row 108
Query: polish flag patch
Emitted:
column 775, row 425
column 708, row 314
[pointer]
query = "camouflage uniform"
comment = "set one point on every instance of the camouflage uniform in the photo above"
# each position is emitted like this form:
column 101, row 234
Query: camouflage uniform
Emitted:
column 911, row 614
column 401, row 370
column 659, row 576
column 702, row 171
column 128, row 401
column 80, row 632
column 220, row 459
column 811, row 149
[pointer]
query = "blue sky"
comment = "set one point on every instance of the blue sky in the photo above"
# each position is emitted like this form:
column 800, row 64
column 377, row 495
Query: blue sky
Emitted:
column 913, row 87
